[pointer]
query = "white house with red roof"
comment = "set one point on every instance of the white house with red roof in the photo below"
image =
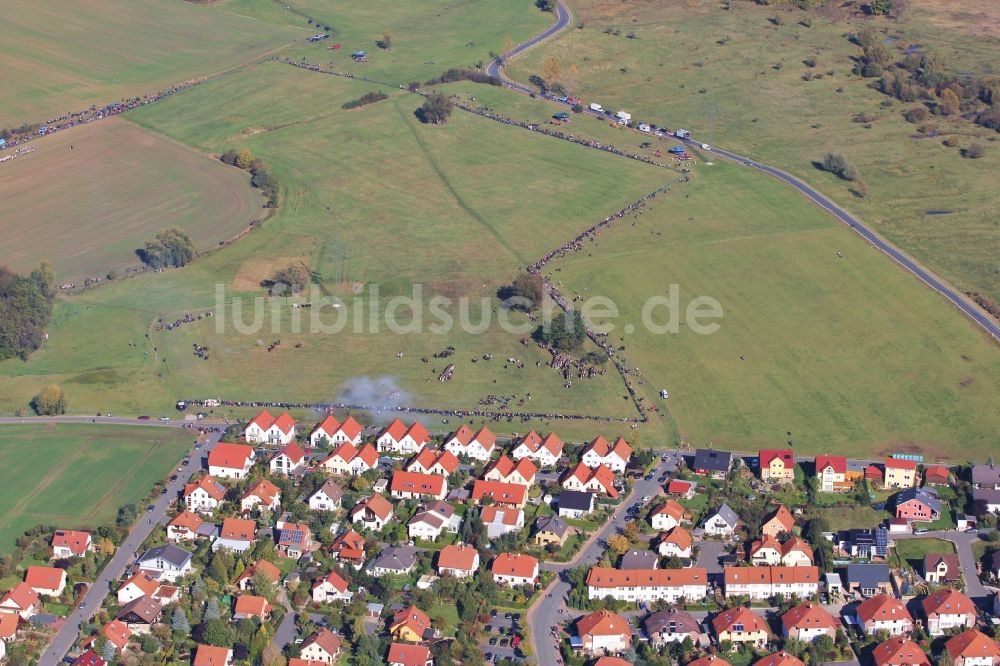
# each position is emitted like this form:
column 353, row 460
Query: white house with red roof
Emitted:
column 184, row 527
column 946, row 609
column 372, row 512
column 397, row 437
column 500, row 520
column 335, row 432
column 204, row 495
column 431, row 461
column 21, row 600
column 264, row 494
column 514, row 569
column 46, row 581
column 512, row 495
column 289, row 460
column 404, row 654
column 140, row 584
column 231, row 461
column 973, row 648
column 70, row 543
column 505, row 470
column 331, row 588
column 349, row 459
column 267, row 429
column 545, row 451
column 459, row 561
column 884, row 612
column 678, row 542
column 831, row 473
column 604, row 632
column 327, row 497
column 323, row 646
column 600, row 479
column 477, row 445
column 667, row 516
column 615, row 455
column 117, row 633
column 432, row 519
column 807, row 622
column 413, row 485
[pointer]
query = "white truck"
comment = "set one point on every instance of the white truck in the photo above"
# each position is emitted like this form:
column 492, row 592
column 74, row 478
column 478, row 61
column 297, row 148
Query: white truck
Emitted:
column 682, row 134
column 624, row 117
column 594, row 106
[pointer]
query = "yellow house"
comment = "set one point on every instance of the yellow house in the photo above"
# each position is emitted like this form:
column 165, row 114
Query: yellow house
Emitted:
column 900, row 473
column 551, row 529
column 409, row 625
column 776, row 465
column 740, row 626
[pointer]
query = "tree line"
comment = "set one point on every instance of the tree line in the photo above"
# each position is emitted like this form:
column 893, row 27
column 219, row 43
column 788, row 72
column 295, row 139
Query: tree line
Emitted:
column 25, row 310
column 260, row 175
column 367, row 98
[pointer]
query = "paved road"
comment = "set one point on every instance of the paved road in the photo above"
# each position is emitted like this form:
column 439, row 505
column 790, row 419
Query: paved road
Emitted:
column 286, row 631
column 985, row 321
column 550, row 610
column 963, row 541
column 126, row 554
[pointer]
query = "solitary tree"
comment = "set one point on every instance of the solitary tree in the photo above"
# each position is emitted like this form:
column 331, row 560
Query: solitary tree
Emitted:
column 436, row 109
column 171, row 248
column 528, row 289
column 49, row 401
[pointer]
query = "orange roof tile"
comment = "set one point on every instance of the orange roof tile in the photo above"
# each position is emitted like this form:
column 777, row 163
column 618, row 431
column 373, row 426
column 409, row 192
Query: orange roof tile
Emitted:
column 417, row 483
column 502, row 493
column 44, row 578
column 248, row 604
column 972, row 644
column 209, row 655
column 515, row 564
column 751, row 622
column 882, row 607
column 186, row 519
column 602, row 577
column 77, row 542
column 214, row 489
column 899, row 652
column 808, row 616
column 603, row 623
column 238, row 529
column 461, row 557
column 230, row 455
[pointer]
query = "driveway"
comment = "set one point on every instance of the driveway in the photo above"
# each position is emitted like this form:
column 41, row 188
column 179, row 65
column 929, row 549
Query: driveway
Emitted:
column 125, row 555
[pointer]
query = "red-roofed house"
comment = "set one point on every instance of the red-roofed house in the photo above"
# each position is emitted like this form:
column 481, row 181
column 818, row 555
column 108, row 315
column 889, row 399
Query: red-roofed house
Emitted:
column 779, row 522
column 884, row 612
column 372, row 512
column 831, row 474
column 10, row 625
column 88, row 658
column 22, row 600
column 544, row 451
column 740, row 626
column 685, row 489
column 899, row 652
column 460, row 561
column 401, row 654
column 349, row 547
column 398, row 438
column 505, row 470
column 289, row 460
column 117, row 634
column 776, row 465
column 411, row 625
column 210, row 655
column 184, row 527
column 266, row 429
column 323, row 646
column 262, row 567
column 948, row 609
column 604, row 632
column 432, row 461
column 807, row 622
column 636, row 585
column 263, row 493
column 68, row 543
column 336, row 432
column 513, row 569
column 331, row 587
column 615, row 456
column 766, row 582
column 236, row 535
column 973, row 648
column 413, row 485
column 348, row 459
column 937, row 475
column 230, row 461
column 900, row 473
column 667, row 516
column 779, row 659
column 500, row 520
column 46, row 581
column 675, row 543
column 327, row 497
column 597, row 480
column 510, row 495
column 477, row 446
column 248, row 605
column 140, row 584
column 204, row 495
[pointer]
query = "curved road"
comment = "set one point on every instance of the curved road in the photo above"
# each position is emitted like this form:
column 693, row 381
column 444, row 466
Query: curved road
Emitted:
column 986, row 322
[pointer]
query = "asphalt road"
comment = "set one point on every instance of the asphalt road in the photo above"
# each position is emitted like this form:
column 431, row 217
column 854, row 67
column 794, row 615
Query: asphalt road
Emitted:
column 985, row 321
column 550, row 609
column 127, row 552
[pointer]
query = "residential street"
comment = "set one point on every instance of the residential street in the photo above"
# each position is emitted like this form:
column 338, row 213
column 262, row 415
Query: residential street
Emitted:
column 126, row 553
column 549, row 610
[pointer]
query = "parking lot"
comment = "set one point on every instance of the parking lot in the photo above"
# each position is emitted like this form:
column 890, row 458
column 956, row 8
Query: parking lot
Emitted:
column 500, row 631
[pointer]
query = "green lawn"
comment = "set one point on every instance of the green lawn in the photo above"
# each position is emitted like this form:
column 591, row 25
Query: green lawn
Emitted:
column 60, row 57
column 75, row 476
column 735, row 78
column 911, row 552
column 837, row 353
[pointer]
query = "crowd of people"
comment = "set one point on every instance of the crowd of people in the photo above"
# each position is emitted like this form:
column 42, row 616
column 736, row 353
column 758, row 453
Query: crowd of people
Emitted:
column 188, row 318
column 524, row 417
column 93, row 113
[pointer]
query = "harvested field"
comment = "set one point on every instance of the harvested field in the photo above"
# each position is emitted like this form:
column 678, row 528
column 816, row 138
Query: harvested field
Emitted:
column 88, row 197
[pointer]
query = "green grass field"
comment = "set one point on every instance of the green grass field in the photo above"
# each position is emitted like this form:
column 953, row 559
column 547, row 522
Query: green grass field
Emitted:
column 62, row 56
column 119, row 184
column 736, row 79
column 911, row 552
column 845, row 353
column 75, row 476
